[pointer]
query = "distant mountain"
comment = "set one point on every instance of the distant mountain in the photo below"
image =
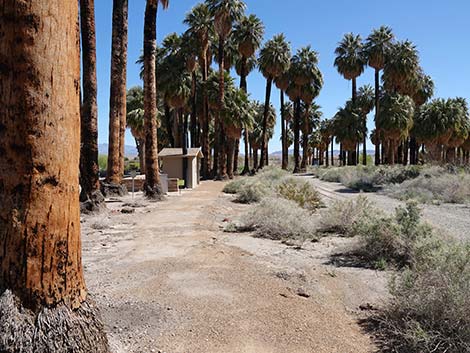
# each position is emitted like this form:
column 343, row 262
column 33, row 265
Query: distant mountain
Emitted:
column 129, row 151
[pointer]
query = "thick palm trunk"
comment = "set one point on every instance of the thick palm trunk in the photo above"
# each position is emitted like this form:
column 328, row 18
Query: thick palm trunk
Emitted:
column 152, row 187
column 244, row 87
column 255, row 158
column 297, row 136
column 377, row 107
column 141, row 149
column 283, row 133
column 44, row 306
column 221, row 164
column 206, row 149
column 117, row 98
column 303, row 164
column 236, row 154
column 193, row 130
column 246, row 167
column 91, row 197
column 185, row 147
column 230, row 156
column 332, row 151
column 364, row 143
column 269, row 83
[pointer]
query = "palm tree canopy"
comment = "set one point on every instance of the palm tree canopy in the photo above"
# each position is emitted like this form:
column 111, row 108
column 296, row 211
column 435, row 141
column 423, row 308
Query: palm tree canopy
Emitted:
column 442, row 120
column 365, row 99
column 377, row 47
column 350, row 60
column 200, row 23
column 225, row 13
column 396, row 115
column 348, row 127
column 251, row 64
column 422, row 87
column 304, row 69
column 401, row 65
column 248, row 34
column 274, row 58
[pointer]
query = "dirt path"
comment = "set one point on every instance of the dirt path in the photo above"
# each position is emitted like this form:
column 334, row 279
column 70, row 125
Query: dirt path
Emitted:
column 168, row 279
column 453, row 220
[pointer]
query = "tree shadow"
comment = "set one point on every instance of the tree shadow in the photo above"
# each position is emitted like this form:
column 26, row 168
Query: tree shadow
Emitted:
column 353, row 259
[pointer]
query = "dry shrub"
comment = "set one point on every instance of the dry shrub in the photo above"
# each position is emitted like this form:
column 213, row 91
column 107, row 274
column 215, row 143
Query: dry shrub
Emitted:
column 300, row 191
column 342, row 216
column 278, row 219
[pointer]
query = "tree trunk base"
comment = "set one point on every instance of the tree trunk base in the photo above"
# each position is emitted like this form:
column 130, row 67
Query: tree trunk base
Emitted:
column 95, row 203
column 154, row 193
column 50, row 330
column 113, row 190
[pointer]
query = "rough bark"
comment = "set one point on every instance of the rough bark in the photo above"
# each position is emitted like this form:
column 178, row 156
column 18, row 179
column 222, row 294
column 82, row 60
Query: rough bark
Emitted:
column 303, row 164
column 117, row 98
column 377, row 107
column 269, row 83
column 41, row 272
column 91, row 198
column 152, row 187
column 285, row 152
column 206, row 150
column 255, row 158
column 236, row 154
column 220, row 157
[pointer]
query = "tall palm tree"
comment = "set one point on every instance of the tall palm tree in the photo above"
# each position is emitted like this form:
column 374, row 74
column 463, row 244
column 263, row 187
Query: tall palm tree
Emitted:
column 376, row 51
column 91, row 197
column 274, row 60
column 348, row 127
column 282, row 83
column 350, row 60
column 350, row 63
column 117, row 100
column 365, row 104
column 248, row 34
column 135, row 121
column 152, row 187
column 200, row 24
column 395, row 120
column 41, row 271
column 224, row 13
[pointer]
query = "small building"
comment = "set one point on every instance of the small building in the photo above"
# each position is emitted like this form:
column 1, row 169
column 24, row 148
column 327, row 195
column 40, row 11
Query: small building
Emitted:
column 171, row 163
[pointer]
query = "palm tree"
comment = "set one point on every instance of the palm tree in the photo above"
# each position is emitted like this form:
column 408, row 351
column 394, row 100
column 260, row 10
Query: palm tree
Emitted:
column 350, row 60
column 365, row 104
column 376, row 51
column 395, row 120
column 200, row 24
column 91, row 196
column 152, row 187
column 305, row 85
column 248, row 34
column 274, row 60
column 135, row 121
column 348, row 127
column 117, row 100
column 43, row 292
column 282, row 83
column 224, row 13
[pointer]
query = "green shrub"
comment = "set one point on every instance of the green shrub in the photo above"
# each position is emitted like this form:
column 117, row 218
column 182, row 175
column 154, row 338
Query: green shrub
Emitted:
column 235, row 186
column 401, row 240
column 430, row 307
column 300, row 191
column 252, row 192
column 279, row 219
column 342, row 216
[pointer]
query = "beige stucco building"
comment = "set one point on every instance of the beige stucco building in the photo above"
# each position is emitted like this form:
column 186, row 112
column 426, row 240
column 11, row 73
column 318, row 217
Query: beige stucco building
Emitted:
column 171, row 163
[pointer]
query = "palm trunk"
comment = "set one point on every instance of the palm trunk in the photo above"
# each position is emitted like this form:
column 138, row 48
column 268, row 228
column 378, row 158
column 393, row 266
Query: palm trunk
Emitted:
column 246, row 167
column 91, row 197
column 297, row 136
column 303, row 164
column 141, row 149
column 255, row 158
column 193, row 132
column 230, row 156
column 221, row 164
column 244, row 87
column 184, row 144
column 283, row 133
column 236, row 153
column 117, row 98
column 354, row 90
column 377, row 107
column 206, row 148
column 269, row 83
column 332, row 151
column 42, row 288
column 152, row 187
column 364, row 142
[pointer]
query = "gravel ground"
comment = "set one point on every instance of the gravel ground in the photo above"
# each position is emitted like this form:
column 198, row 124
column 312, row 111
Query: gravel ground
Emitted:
column 169, row 279
column 451, row 219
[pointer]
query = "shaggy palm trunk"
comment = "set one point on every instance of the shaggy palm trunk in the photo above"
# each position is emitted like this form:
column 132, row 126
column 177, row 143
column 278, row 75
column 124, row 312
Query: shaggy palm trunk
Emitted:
column 332, row 151
column 377, row 107
column 140, row 143
column 152, row 187
column 221, row 164
column 185, row 147
column 413, row 151
column 406, row 147
column 91, row 197
column 391, row 152
column 303, row 164
column 236, row 154
column 264, row 157
column 230, row 156
column 117, row 98
column 44, row 306
column 193, row 130
column 255, row 158
column 297, row 136
column 364, row 142
column 285, row 160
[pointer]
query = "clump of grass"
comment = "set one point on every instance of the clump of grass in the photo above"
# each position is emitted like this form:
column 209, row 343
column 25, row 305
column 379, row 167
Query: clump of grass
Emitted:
column 430, row 307
column 252, row 192
column 300, row 191
column 235, row 186
column 401, row 240
column 342, row 216
column 443, row 188
column 279, row 219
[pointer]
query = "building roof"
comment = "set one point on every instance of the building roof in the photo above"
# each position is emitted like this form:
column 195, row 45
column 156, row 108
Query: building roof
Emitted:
column 178, row 152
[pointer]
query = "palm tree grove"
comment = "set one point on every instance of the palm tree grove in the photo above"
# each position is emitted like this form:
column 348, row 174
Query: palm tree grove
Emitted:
column 227, row 176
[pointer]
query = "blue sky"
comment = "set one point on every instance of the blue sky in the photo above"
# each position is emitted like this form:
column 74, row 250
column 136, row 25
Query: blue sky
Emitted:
column 439, row 28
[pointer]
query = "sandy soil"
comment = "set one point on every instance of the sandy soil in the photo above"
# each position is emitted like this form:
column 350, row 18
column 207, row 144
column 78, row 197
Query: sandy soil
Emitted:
column 168, row 279
column 451, row 219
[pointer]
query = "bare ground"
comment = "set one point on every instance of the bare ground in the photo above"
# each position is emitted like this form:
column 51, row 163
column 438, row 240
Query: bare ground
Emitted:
column 168, row 279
